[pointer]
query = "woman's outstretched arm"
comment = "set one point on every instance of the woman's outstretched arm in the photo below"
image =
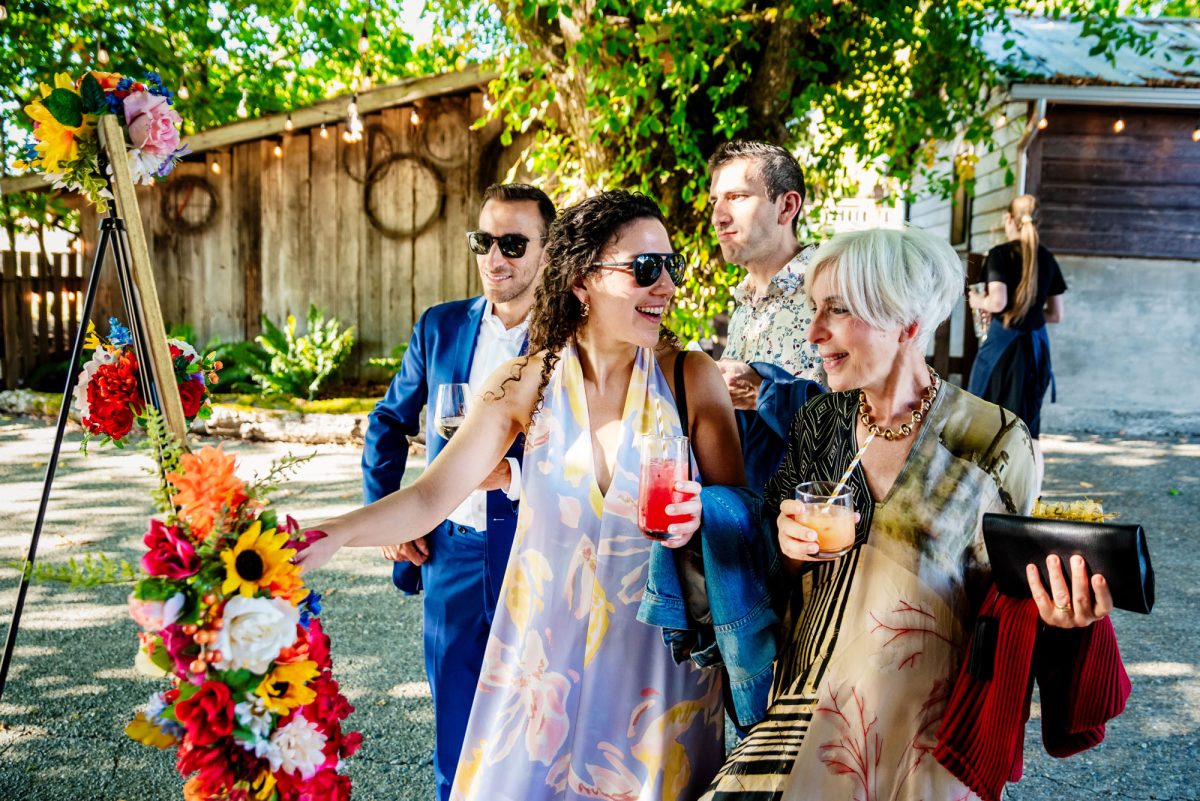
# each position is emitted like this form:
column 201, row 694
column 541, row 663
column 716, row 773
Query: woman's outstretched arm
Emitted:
column 493, row 422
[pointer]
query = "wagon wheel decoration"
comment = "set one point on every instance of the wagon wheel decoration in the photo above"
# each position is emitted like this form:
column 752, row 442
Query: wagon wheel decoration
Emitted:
column 190, row 204
column 358, row 160
column 445, row 138
column 399, row 175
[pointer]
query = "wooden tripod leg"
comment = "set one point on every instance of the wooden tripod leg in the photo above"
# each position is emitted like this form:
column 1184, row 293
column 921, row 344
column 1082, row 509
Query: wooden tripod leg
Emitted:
column 113, row 140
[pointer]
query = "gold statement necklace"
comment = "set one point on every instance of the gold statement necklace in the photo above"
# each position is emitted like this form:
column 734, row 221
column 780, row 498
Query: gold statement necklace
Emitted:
column 927, row 398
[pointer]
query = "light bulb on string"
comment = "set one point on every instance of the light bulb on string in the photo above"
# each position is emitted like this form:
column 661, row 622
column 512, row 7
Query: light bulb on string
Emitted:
column 487, row 102
column 1119, row 125
column 1001, row 120
column 1043, row 123
column 278, row 150
column 102, row 55
column 324, row 132
column 364, row 44
column 216, row 168
column 354, row 126
column 1196, row 134
column 287, row 124
column 3, row 12
column 183, row 92
column 242, row 111
column 415, row 117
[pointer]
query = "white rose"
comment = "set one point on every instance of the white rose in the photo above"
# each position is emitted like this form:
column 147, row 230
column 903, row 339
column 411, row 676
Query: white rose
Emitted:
column 255, row 630
column 297, row 748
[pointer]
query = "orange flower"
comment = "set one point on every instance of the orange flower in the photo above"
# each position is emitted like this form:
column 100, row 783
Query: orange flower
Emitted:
column 206, row 489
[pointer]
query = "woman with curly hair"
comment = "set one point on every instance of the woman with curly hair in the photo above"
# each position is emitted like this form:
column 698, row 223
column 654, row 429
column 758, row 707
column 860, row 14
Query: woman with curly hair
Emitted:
column 577, row 699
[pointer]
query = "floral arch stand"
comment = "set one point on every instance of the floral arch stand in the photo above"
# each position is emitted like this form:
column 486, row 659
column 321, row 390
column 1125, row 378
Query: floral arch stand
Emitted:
column 122, row 232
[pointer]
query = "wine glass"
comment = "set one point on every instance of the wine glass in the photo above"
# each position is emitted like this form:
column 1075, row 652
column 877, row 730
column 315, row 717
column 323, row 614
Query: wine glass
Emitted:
column 451, row 408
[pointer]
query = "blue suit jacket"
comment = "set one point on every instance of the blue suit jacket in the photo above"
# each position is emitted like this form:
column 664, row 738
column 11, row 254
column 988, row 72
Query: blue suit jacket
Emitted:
column 440, row 352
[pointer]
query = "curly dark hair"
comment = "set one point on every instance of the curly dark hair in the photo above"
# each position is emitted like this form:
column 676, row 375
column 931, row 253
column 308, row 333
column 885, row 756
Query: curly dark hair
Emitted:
column 576, row 238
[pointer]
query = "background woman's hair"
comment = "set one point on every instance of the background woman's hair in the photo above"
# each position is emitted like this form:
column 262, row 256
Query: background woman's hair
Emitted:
column 1025, row 215
column 887, row 277
column 577, row 237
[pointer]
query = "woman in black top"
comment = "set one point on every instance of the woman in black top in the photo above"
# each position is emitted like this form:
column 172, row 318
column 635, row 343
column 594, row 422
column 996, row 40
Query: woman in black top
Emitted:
column 1024, row 292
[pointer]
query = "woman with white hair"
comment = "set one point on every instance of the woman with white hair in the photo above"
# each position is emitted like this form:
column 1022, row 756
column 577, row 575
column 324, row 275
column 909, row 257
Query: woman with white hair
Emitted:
column 874, row 637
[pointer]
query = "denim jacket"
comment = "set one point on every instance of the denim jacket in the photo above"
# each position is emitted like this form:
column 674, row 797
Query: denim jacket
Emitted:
column 740, row 626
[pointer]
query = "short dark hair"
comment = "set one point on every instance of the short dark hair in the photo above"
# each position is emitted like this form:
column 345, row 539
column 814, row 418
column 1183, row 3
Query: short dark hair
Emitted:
column 510, row 193
column 778, row 168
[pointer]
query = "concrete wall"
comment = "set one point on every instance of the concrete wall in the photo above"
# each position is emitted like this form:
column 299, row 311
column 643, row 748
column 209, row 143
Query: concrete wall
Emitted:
column 1127, row 356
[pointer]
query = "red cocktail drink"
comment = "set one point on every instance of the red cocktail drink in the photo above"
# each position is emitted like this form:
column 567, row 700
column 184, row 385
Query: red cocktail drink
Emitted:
column 665, row 461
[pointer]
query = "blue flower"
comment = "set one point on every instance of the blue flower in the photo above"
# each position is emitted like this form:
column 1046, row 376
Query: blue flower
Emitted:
column 117, row 333
column 310, row 607
column 154, row 77
column 124, row 84
column 29, row 151
column 115, row 104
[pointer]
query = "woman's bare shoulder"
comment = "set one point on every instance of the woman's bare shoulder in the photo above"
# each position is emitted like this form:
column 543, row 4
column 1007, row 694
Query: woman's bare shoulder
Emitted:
column 515, row 383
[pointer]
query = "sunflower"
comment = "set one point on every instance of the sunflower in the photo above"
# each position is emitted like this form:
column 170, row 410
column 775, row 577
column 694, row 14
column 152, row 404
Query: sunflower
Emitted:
column 256, row 561
column 283, row 689
column 57, row 144
column 206, row 488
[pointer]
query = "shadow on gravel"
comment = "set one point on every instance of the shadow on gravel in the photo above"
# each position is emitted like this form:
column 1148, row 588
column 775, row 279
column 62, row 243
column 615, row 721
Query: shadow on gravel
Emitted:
column 73, row 687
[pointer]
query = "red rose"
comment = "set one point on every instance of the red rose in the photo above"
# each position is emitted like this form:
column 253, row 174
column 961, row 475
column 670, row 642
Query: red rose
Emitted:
column 191, row 394
column 325, row 785
column 171, row 554
column 114, row 398
column 218, row 767
column 208, row 714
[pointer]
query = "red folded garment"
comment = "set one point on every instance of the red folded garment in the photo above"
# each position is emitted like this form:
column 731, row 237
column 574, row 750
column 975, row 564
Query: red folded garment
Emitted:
column 1082, row 684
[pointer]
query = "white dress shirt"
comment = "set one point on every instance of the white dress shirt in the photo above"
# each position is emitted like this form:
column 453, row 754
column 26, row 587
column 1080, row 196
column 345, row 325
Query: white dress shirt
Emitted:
column 495, row 345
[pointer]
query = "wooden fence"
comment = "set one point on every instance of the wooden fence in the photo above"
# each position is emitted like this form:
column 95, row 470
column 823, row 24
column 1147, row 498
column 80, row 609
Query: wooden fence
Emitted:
column 40, row 308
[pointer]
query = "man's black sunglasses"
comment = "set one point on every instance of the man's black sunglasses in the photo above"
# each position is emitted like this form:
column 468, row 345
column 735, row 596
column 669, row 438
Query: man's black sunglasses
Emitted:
column 647, row 267
column 511, row 245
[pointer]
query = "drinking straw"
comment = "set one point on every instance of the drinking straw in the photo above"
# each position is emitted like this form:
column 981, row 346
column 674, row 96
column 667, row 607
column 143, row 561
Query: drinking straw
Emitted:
column 853, row 464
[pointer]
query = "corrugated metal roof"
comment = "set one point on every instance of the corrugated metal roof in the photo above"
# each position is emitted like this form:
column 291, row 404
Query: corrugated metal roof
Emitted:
column 1054, row 51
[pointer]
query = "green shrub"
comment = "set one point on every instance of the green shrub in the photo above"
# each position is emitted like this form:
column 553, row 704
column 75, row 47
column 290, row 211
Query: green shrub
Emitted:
column 392, row 362
column 300, row 365
column 241, row 364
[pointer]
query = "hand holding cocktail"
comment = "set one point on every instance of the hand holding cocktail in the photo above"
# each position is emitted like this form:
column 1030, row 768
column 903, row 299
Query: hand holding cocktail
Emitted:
column 668, row 502
column 819, row 523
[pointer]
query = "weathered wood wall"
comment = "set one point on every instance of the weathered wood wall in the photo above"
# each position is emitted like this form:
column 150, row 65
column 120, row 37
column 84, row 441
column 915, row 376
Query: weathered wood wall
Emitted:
column 292, row 230
column 1135, row 194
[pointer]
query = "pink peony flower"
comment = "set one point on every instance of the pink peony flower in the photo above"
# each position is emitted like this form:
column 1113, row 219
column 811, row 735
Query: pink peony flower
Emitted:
column 153, row 125
column 171, row 553
column 154, row 615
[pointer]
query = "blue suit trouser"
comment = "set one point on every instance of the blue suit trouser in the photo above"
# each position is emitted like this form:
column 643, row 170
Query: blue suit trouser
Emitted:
column 456, row 631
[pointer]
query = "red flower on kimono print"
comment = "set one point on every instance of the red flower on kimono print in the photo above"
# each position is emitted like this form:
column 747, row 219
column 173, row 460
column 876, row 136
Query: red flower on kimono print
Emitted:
column 857, row 751
column 904, row 630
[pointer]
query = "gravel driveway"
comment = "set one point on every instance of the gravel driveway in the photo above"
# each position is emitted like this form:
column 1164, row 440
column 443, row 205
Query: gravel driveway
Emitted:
column 72, row 687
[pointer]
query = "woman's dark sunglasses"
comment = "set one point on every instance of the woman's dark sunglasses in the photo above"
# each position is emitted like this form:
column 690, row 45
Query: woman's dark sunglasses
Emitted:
column 511, row 245
column 647, row 267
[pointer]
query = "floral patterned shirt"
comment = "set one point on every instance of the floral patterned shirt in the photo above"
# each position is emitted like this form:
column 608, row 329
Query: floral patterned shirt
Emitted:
column 773, row 327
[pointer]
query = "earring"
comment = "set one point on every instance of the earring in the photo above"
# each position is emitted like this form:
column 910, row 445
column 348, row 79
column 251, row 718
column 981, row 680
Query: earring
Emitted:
column 586, row 308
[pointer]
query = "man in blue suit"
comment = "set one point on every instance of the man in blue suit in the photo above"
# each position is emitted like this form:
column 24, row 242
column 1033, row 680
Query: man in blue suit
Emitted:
column 460, row 564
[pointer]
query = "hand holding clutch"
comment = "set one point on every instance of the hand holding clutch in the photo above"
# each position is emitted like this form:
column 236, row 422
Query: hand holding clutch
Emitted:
column 1117, row 552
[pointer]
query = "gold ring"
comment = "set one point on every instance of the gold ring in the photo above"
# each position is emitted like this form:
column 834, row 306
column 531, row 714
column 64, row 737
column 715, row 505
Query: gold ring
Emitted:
column 1063, row 607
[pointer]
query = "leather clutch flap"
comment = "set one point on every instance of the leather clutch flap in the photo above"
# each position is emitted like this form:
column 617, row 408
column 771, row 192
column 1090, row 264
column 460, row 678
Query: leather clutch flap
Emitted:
column 1117, row 552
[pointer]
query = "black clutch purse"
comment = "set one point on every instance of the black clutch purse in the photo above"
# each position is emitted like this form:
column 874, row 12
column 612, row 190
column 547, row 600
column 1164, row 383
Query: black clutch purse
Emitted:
column 1117, row 552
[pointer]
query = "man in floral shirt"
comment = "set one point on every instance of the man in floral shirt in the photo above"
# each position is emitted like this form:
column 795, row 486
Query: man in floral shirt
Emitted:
column 756, row 197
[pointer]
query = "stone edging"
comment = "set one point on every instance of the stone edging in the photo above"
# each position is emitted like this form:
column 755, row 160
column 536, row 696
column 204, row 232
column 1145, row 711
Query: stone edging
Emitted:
column 234, row 422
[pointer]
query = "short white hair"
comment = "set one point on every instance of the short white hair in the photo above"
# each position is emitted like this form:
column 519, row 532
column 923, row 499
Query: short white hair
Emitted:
column 889, row 277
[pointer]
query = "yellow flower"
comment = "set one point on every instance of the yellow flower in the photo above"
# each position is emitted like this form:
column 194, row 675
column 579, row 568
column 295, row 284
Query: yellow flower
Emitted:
column 56, row 143
column 256, row 561
column 283, row 689
column 92, row 341
column 263, row 787
column 141, row 730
